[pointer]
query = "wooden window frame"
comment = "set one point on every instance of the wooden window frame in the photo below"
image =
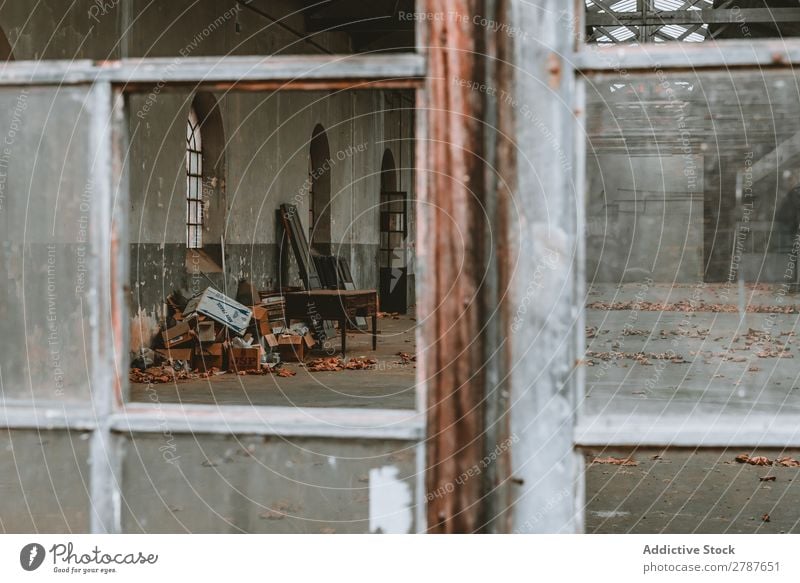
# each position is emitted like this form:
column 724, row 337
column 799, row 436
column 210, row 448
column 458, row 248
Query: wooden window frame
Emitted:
column 483, row 385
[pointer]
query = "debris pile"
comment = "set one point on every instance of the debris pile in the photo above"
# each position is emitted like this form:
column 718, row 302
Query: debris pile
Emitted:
column 209, row 333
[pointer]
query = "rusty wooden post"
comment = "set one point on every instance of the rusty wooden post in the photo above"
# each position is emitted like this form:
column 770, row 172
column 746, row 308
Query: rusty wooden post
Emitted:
column 459, row 288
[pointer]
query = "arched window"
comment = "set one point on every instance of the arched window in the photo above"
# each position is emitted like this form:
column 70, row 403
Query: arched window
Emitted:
column 194, row 182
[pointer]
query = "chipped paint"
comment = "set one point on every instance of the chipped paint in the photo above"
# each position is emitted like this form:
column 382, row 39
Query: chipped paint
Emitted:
column 390, row 509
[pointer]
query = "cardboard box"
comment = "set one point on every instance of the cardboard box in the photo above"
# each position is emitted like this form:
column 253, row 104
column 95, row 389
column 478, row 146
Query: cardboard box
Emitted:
column 178, row 335
column 210, row 356
column 259, row 313
column 244, row 359
column 220, row 308
column 308, row 338
column 270, row 340
column 292, row 348
column 206, row 332
column 184, row 354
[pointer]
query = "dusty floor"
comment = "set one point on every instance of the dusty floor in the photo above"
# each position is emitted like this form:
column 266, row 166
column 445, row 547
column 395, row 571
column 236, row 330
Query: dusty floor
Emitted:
column 698, row 361
column 390, row 384
column 686, row 491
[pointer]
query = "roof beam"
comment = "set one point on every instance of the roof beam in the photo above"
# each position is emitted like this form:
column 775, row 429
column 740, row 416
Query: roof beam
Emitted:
column 712, row 16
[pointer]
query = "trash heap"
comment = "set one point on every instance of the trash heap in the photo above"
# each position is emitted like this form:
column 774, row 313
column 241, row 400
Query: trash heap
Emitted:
column 210, row 333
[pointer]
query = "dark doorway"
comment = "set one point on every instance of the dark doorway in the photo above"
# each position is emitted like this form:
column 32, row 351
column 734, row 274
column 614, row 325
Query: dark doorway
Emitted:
column 319, row 195
column 394, row 232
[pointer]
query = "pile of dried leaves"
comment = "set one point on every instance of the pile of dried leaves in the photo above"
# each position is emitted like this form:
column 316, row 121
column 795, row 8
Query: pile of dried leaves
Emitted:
column 158, row 375
column 277, row 371
column 615, row 461
column 406, row 358
column 640, row 357
column 335, row 363
column 392, row 315
column 760, row 460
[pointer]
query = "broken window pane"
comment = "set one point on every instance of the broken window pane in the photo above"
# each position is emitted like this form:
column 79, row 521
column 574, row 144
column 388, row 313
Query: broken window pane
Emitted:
column 223, row 483
column 46, row 197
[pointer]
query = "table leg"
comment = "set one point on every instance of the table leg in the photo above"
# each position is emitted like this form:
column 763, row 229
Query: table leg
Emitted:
column 374, row 332
column 343, row 332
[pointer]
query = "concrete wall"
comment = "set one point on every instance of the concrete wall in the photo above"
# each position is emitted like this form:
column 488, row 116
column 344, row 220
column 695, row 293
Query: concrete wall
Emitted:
column 644, row 219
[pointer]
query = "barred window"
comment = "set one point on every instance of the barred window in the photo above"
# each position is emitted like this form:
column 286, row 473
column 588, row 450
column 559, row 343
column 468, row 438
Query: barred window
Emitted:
column 194, row 182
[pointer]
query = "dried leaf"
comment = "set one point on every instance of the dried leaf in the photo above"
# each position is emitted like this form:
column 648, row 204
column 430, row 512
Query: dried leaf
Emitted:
column 787, row 462
column 615, row 461
column 759, row 461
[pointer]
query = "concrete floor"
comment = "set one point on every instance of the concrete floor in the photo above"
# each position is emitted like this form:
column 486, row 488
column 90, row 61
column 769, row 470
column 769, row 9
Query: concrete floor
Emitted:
column 687, row 491
column 702, row 364
column 698, row 362
column 390, row 385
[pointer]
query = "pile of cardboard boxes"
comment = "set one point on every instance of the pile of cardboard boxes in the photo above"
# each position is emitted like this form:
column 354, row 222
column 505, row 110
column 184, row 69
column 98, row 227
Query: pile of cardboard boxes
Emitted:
column 212, row 332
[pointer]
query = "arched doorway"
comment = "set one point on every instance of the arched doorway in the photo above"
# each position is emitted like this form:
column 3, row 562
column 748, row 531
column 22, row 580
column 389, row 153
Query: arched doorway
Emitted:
column 319, row 192
column 392, row 266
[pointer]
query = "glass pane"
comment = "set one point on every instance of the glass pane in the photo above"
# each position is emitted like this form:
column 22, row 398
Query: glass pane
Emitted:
column 396, row 221
column 45, row 220
column 215, row 483
column 397, row 204
column 44, row 481
column 194, row 163
column 194, row 190
column 681, row 491
column 693, row 219
column 192, row 216
column 689, row 20
column 348, row 135
column 395, row 240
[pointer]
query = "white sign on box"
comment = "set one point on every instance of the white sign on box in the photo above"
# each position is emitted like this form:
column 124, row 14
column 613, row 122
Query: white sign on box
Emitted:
column 222, row 309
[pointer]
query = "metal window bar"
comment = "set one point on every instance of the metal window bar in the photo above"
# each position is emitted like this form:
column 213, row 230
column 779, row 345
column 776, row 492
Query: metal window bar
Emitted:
column 671, row 20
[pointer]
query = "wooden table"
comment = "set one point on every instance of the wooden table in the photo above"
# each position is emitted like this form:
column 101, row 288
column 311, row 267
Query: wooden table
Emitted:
column 334, row 304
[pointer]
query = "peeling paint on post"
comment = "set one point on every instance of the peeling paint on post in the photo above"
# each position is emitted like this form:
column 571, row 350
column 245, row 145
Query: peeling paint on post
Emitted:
column 544, row 345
